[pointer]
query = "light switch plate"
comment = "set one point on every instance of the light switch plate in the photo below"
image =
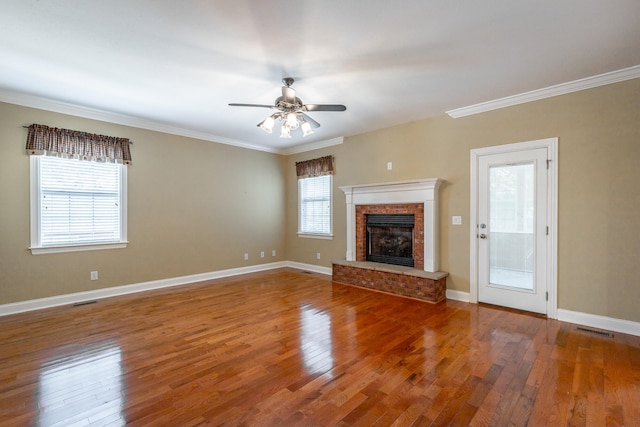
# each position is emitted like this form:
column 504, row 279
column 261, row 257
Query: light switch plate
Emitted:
column 456, row 220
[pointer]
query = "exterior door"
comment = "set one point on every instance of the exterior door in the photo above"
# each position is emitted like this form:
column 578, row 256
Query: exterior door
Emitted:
column 512, row 229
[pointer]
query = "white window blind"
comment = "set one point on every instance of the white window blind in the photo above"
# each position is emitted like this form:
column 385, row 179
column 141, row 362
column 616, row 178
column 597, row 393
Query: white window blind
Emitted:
column 315, row 205
column 79, row 202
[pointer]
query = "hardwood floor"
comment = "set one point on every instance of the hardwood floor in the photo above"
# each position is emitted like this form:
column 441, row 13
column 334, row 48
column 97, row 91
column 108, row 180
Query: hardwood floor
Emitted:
column 290, row 348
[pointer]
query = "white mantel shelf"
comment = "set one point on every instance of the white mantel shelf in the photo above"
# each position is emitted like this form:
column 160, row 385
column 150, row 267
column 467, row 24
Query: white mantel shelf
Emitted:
column 423, row 191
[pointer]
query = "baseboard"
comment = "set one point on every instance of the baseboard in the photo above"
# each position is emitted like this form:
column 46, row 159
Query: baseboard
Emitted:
column 74, row 298
column 310, row 267
column 600, row 322
column 458, row 295
column 585, row 319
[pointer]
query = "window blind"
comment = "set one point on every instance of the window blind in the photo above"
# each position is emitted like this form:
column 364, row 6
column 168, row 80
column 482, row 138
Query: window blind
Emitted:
column 79, row 202
column 315, row 204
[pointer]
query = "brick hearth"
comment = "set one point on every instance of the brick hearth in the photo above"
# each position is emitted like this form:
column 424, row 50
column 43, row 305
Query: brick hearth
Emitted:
column 399, row 280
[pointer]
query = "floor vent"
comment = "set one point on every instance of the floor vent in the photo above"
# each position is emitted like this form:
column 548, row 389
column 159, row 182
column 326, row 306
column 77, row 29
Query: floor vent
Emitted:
column 79, row 304
column 593, row 331
column 307, row 272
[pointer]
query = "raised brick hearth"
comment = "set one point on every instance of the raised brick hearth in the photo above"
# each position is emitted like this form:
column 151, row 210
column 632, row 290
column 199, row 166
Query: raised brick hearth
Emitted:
column 404, row 281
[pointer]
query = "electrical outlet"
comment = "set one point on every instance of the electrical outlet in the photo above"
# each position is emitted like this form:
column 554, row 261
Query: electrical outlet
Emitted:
column 317, row 255
column 273, row 252
column 246, row 257
column 389, row 166
column 262, row 254
column 94, row 275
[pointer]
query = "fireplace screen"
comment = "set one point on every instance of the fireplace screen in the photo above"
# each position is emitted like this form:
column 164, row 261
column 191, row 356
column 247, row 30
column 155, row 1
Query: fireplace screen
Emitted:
column 390, row 239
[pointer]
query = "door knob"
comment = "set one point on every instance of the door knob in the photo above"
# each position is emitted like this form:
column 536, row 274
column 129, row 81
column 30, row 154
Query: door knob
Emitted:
column 483, row 236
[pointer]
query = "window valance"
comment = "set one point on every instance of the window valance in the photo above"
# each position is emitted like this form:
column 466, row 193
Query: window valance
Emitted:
column 43, row 139
column 315, row 167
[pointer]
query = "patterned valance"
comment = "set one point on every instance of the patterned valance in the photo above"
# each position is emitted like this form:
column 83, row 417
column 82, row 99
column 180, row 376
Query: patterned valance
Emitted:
column 80, row 145
column 315, row 167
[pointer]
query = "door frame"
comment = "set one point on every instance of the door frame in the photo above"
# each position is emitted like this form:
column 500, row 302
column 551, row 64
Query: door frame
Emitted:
column 551, row 144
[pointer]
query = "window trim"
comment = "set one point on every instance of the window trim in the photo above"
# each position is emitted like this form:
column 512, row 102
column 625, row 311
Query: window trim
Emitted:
column 325, row 236
column 36, row 247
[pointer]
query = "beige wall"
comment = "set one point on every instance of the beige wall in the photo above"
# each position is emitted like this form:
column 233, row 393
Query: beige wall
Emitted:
column 193, row 207
column 599, row 199
column 197, row 206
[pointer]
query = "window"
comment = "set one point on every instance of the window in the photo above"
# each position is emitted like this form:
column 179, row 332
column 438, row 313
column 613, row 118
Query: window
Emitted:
column 314, row 209
column 77, row 205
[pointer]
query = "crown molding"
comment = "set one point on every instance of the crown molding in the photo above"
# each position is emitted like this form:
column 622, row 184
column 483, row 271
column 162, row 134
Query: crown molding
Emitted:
column 46, row 104
column 548, row 92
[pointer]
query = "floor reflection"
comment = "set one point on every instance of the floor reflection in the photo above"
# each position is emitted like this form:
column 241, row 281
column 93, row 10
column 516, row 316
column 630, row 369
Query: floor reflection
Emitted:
column 316, row 344
column 82, row 388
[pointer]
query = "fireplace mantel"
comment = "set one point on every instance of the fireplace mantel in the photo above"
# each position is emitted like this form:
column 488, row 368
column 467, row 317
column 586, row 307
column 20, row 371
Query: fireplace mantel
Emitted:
column 424, row 191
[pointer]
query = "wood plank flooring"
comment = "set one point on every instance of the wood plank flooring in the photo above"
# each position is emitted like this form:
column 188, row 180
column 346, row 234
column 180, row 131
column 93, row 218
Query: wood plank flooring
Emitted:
column 289, row 348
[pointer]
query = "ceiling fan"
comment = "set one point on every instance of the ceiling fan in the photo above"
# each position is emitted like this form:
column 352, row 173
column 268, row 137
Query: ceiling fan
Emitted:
column 291, row 111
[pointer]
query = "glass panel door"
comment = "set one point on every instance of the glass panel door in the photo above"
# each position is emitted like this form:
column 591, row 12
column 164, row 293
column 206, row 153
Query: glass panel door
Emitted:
column 511, row 229
column 511, row 225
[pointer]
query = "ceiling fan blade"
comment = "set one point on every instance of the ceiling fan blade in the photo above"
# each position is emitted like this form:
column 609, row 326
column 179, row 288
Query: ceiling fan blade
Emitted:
column 251, row 105
column 324, row 107
column 289, row 95
column 312, row 122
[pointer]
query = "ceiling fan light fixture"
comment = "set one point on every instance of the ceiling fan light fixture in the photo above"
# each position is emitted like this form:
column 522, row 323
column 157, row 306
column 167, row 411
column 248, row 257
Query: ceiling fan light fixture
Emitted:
column 267, row 124
column 306, row 128
column 285, row 132
column 292, row 121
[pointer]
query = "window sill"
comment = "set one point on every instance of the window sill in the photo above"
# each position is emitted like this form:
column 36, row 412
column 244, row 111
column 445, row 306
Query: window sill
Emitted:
column 316, row 236
column 77, row 248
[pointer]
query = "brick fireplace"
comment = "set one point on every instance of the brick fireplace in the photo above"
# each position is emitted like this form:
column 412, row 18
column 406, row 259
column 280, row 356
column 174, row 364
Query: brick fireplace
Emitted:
column 418, row 198
column 417, row 209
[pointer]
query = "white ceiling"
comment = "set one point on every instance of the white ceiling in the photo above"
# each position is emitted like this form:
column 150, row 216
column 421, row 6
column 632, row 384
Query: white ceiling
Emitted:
column 174, row 66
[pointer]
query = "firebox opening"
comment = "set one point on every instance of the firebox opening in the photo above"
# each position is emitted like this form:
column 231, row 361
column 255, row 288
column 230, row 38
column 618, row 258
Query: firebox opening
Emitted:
column 390, row 238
